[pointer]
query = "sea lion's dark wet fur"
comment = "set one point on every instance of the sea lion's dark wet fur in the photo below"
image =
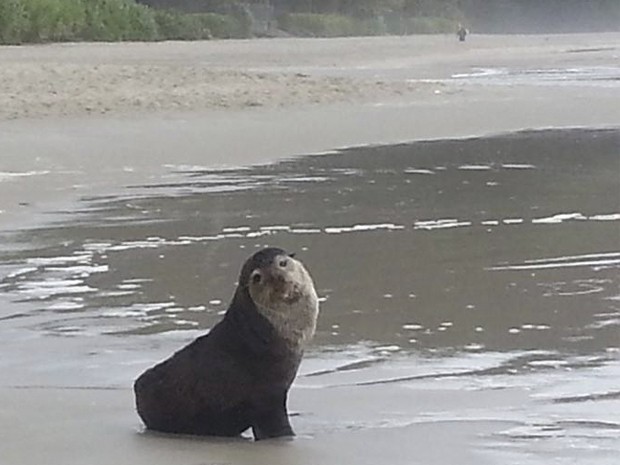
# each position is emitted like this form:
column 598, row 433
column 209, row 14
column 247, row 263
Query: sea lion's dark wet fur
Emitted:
column 234, row 378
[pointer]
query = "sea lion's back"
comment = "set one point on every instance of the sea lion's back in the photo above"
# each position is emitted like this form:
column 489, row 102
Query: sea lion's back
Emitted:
column 197, row 384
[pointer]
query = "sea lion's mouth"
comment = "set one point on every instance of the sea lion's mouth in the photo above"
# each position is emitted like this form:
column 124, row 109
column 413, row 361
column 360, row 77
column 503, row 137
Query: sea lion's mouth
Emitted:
column 292, row 297
column 288, row 292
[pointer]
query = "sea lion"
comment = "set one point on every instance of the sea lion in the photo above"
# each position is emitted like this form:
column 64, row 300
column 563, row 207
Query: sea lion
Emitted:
column 238, row 375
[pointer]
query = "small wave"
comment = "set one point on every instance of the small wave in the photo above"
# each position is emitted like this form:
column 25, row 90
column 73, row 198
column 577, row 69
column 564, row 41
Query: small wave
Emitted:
column 418, row 171
column 518, row 166
column 475, row 167
column 559, row 218
column 613, row 395
column 8, row 175
column 587, row 75
column 586, row 260
column 440, row 224
column 362, row 228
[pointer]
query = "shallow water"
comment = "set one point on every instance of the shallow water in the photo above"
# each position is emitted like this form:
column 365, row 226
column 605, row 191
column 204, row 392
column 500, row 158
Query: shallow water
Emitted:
column 597, row 76
column 486, row 266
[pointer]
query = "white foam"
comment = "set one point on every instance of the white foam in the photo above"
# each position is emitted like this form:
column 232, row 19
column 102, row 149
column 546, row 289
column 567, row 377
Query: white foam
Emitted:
column 149, row 243
column 236, row 229
column 573, row 261
column 66, row 305
column 254, row 234
column 559, row 218
column 474, row 347
column 305, row 231
column 604, row 323
column 151, row 307
column 393, row 348
column 418, row 171
column 481, row 72
column 197, row 308
column 474, row 167
column 186, row 168
column 440, row 224
column 362, row 228
column 124, row 313
column 185, row 322
column 53, row 287
column 568, row 258
column 128, row 286
column 413, row 327
column 21, row 271
column 518, row 166
column 61, row 260
column 305, row 179
column 174, row 310
column 7, row 175
column 551, row 363
column 607, row 217
column 275, row 228
column 82, row 270
column 97, row 246
column 543, row 266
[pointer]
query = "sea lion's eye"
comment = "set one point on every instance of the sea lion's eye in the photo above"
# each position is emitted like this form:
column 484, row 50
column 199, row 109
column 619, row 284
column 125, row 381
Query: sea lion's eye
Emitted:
column 256, row 277
column 283, row 263
column 292, row 255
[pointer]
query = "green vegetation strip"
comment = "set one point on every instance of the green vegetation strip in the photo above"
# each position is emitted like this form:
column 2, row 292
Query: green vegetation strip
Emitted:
column 32, row 21
column 334, row 25
column 108, row 20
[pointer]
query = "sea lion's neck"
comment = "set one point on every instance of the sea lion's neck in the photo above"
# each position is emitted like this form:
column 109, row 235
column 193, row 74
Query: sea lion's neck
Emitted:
column 252, row 327
column 283, row 292
column 296, row 323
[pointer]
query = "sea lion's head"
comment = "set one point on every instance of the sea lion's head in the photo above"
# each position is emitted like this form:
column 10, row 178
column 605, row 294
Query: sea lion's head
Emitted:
column 283, row 292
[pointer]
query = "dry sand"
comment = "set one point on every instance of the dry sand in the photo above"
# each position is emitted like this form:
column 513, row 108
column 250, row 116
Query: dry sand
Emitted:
column 84, row 119
column 80, row 79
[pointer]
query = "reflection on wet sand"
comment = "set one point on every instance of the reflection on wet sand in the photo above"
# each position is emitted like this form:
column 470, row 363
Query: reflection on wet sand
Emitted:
column 421, row 261
column 479, row 264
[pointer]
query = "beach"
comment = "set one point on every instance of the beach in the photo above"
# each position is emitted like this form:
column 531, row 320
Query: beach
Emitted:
column 126, row 130
column 83, row 79
column 186, row 103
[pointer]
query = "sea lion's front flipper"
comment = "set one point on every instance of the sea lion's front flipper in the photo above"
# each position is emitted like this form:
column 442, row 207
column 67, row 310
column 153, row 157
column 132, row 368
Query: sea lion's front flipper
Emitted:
column 271, row 419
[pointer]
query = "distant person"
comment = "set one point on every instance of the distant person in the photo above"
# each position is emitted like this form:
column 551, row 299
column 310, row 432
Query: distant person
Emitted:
column 461, row 32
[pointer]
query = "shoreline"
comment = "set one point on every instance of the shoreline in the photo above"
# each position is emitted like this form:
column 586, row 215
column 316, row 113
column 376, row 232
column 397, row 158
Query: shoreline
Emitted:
column 72, row 158
column 220, row 104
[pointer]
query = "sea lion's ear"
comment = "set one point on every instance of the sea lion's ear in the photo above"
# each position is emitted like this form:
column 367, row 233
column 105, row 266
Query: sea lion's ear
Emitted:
column 292, row 255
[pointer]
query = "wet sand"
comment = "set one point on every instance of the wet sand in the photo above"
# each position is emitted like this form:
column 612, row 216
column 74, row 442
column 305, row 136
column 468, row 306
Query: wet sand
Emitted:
column 485, row 315
column 68, row 397
column 84, row 138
